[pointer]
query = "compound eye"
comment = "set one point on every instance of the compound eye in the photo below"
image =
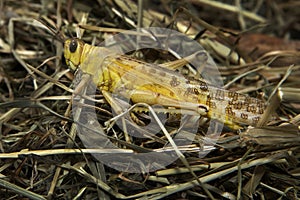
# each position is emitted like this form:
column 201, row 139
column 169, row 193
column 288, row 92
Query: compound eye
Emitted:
column 73, row 45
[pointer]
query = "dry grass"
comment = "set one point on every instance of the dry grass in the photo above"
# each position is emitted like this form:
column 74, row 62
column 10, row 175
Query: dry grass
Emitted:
column 42, row 156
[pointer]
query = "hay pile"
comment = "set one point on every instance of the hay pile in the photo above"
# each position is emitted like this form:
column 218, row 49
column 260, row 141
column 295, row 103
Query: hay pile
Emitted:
column 256, row 49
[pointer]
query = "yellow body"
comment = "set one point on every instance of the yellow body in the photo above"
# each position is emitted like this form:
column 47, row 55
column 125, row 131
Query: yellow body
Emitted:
column 153, row 84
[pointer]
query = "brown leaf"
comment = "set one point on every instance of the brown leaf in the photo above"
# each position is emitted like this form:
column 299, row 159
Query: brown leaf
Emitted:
column 257, row 45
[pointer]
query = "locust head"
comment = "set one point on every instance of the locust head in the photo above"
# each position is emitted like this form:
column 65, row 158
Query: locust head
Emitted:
column 73, row 49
